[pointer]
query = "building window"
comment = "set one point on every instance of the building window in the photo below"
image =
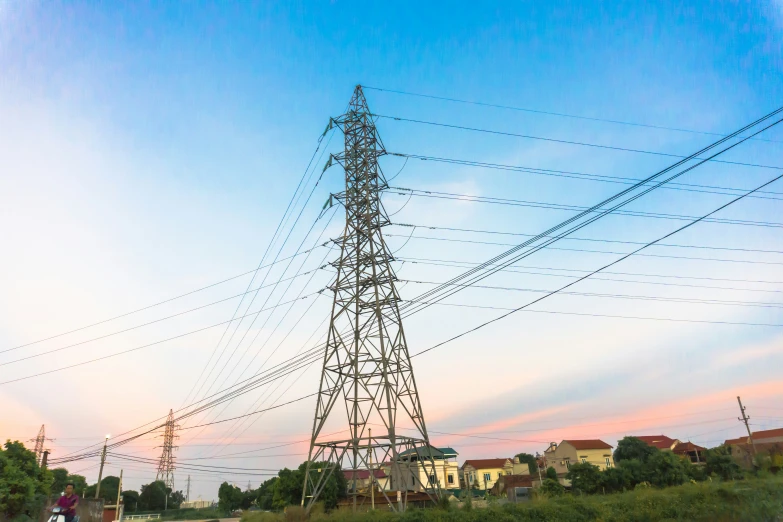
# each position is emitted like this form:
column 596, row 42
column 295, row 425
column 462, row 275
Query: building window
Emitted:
column 487, row 477
column 451, row 479
column 470, row 478
column 568, row 464
column 584, row 460
column 432, row 479
column 500, row 474
column 608, row 463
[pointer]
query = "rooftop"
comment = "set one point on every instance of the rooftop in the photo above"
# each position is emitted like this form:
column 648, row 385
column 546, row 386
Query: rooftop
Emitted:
column 363, row 474
column 588, row 444
column 486, row 463
column 657, row 441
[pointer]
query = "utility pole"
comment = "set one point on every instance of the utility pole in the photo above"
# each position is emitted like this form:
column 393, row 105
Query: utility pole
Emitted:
column 100, row 473
column 366, row 363
column 44, row 459
column 187, row 495
column 372, row 471
column 745, row 419
column 117, row 511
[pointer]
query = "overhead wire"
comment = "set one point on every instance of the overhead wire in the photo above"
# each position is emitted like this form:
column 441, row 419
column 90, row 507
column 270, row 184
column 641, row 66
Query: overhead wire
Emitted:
column 474, row 273
column 552, row 113
column 604, row 178
column 624, row 257
column 577, row 143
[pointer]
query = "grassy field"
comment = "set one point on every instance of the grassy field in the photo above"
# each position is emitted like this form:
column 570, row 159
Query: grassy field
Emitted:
column 192, row 514
column 745, row 501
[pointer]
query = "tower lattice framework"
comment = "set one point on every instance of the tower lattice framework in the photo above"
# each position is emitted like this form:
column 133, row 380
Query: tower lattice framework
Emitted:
column 166, row 463
column 366, row 362
column 40, row 440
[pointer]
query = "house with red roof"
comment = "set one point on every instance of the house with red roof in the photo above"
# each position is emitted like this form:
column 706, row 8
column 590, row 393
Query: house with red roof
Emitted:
column 483, row 473
column 684, row 449
column 568, row 452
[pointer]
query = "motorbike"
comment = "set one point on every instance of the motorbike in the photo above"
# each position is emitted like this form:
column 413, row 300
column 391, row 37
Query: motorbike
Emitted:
column 58, row 515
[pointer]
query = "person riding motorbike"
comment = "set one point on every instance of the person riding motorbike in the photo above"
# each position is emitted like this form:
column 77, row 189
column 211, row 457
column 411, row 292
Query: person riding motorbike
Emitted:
column 68, row 503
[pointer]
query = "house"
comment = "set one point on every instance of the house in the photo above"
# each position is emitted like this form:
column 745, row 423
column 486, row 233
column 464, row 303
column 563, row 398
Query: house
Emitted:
column 507, row 482
column 594, row 451
column 775, row 435
column 519, row 468
column 690, row 451
column 483, row 473
column 742, row 454
column 379, row 479
column 419, row 473
column 662, row 442
column 684, row 449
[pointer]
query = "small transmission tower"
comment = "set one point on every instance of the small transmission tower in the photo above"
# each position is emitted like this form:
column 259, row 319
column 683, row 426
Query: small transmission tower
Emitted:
column 40, row 440
column 366, row 361
column 166, row 463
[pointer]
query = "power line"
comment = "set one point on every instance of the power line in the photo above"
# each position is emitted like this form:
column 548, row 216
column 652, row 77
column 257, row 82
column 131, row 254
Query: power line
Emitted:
column 759, row 304
column 604, row 178
column 283, row 220
column 153, row 305
column 550, row 113
column 147, row 324
column 466, row 198
column 663, row 256
column 626, row 256
column 460, row 264
column 592, row 240
column 579, row 143
column 475, row 274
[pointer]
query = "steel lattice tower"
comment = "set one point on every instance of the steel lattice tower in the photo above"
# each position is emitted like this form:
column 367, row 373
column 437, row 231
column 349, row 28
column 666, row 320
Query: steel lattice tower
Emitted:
column 166, row 463
column 366, row 361
column 40, row 440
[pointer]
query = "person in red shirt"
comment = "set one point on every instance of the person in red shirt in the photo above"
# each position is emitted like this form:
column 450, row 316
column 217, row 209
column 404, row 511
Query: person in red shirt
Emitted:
column 68, row 502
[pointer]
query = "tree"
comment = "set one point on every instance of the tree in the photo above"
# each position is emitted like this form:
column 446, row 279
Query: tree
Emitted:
column 130, row 500
column 664, row 469
column 24, row 486
column 530, row 460
column 632, row 448
column 614, row 480
column 288, row 489
column 79, row 483
column 551, row 473
column 176, row 498
column 264, row 494
column 336, row 486
column 109, row 487
column 229, row 497
column 584, row 477
column 551, row 488
column 60, row 480
column 720, row 463
column 152, row 496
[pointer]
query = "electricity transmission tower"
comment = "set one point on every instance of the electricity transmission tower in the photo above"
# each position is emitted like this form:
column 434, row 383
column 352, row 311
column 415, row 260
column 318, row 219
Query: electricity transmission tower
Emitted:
column 40, row 440
column 166, row 463
column 366, row 361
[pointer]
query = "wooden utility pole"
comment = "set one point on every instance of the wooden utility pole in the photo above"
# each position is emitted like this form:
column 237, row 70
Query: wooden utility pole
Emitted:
column 44, row 458
column 117, row 511
column 100, row 473
column 745, row 419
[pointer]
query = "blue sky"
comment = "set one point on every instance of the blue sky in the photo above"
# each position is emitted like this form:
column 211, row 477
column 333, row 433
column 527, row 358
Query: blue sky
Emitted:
column 151, row 149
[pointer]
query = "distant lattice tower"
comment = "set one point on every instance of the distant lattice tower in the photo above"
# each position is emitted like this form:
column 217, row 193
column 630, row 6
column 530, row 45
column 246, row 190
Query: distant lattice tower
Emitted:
column 40, row 440
column 166, row 463
column 367, row 371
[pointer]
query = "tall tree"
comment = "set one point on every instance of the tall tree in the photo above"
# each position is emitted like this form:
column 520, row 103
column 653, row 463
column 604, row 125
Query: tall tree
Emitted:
column 264, row 494
column 24, row 486
column 130, row 500
column 229, row 497
column 632, row 448
column 152, row 496
column 109, row 487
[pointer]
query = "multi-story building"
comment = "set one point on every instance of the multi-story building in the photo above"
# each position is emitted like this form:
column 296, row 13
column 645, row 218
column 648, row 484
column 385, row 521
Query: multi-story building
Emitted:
column 483, row 473
column 418, row 473
column 562, row 456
